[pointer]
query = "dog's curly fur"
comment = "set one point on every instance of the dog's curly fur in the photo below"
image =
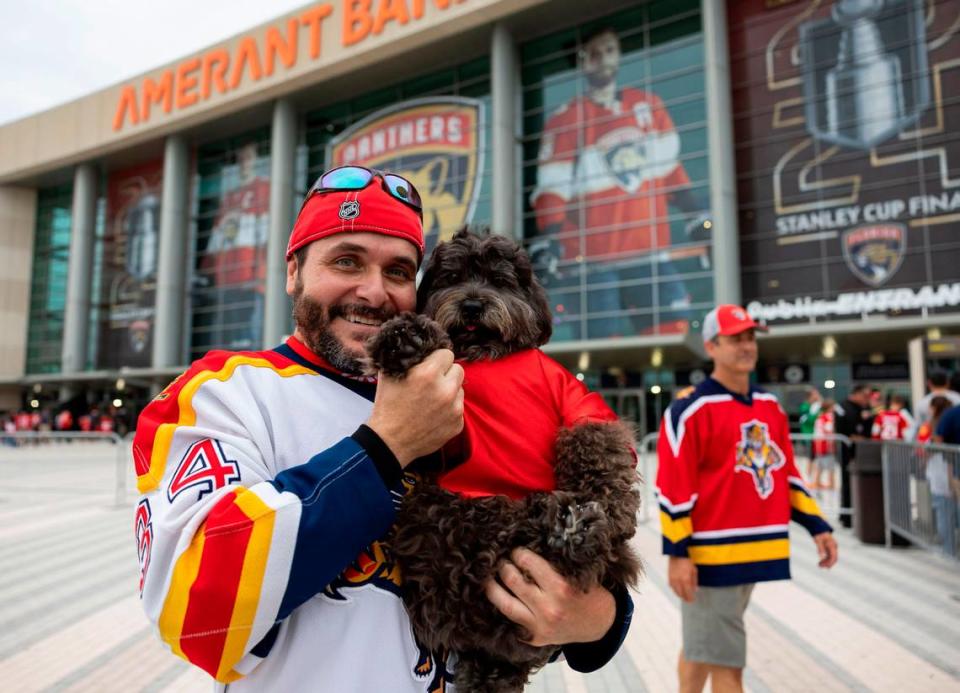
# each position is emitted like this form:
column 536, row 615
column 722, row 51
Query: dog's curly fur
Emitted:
column 480, row 291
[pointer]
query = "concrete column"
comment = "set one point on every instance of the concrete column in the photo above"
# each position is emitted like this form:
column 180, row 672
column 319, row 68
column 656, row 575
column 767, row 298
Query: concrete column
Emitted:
column 504, row 90
column 283, row 149
column 18, row 221
column 722, row 165
column 172, row 269
column 76, row 315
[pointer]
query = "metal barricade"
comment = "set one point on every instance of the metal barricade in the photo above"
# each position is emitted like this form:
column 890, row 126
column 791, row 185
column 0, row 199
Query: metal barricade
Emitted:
column 921, row 487
column 647, row 469
column 822, row 473
column 90, row 462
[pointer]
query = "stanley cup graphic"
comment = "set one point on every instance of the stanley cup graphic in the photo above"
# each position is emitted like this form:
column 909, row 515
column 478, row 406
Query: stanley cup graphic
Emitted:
column 864, row 90
column 865, row 71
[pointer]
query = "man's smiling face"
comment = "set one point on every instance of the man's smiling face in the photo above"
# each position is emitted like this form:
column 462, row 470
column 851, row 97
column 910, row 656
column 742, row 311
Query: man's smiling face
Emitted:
column 347, row 286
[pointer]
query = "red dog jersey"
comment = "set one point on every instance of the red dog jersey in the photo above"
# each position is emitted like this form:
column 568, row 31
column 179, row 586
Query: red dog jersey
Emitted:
column 514, row 407
column 728, row 485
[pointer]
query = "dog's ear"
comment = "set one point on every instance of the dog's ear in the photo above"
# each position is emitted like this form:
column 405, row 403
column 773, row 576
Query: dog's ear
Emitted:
column 537, row 296
column 429, row 275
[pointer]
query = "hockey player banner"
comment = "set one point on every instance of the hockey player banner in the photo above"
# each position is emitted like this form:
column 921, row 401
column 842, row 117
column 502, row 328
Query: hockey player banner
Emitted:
column 232, row 261
column 436, row 143
column 620, row 208
column 847, row 156
column 128, row 280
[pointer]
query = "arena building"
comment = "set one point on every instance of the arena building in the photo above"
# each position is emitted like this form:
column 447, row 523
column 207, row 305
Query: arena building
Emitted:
column 798, row 156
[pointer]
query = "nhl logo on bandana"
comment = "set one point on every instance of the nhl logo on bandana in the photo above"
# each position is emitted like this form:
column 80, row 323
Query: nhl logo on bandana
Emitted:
column 436, row 143
column 874, row 252
column 350, row 209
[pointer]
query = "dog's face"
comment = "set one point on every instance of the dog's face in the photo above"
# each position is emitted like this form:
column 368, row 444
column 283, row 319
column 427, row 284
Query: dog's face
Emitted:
column 482, row 291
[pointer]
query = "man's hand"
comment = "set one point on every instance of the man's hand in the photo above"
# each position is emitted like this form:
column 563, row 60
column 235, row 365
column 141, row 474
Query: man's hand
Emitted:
column 827, row 548
column 682, row 575
column 418, row 414
column 541, row 600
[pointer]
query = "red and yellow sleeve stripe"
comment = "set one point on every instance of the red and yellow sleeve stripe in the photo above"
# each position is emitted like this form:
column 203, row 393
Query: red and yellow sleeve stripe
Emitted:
column 173, row 407
column 215, row 589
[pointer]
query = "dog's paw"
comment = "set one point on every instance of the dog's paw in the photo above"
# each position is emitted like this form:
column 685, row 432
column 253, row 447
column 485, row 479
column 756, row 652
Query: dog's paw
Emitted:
column 574, row 524
column 402, row 343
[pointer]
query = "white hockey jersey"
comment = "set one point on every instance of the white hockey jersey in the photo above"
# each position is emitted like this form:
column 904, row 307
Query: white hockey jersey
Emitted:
column 263, row 502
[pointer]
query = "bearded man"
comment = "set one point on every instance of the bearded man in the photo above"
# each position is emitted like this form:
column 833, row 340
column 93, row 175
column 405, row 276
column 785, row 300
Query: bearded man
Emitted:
column 268, row 480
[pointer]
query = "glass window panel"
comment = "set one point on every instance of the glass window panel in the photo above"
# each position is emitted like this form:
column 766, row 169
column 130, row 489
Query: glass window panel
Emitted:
column 49, row 279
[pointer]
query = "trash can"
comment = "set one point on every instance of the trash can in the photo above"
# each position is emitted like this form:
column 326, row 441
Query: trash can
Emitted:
column 866, row 481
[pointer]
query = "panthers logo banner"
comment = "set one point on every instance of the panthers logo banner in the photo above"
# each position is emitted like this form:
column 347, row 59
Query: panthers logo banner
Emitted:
column 436, row 143
column 874, row 252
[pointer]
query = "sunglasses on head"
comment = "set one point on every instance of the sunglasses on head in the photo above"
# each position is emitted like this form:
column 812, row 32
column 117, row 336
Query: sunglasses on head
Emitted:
column 347, row 178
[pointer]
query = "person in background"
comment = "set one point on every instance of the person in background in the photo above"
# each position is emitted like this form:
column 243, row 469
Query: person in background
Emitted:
column 941, row 476
column 22, row 420
column 106, row 423
column 64, row 420
column 855, row 421
column 809, row 410
column 938, row 406
column 895, row 422
column 938, row 382
column 948, row 428
column 824, row 447
column 728, row 487
column 9, row 426
column 877, row 401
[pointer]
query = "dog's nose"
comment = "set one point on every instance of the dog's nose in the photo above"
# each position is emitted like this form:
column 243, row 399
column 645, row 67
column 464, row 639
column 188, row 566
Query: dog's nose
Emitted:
column 472, row 308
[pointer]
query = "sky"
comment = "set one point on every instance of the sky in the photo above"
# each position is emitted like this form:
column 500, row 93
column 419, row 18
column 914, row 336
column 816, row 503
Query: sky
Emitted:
column 58, row 50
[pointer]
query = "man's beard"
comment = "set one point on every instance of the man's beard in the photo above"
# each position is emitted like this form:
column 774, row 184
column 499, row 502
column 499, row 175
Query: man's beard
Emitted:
column 313, row 320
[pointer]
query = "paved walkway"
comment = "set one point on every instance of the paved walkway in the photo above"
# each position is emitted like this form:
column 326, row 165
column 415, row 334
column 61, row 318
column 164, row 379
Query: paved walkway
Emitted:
column 70, row 620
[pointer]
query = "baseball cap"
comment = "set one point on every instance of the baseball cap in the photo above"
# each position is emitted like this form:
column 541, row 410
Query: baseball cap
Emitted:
column 371, row 210
column 728, row 319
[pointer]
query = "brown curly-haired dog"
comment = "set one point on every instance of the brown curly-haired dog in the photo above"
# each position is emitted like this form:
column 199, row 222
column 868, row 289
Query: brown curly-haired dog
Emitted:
column 479, row 292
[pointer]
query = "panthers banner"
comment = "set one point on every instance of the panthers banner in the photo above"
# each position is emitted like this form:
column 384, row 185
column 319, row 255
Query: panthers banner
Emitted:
column 436, row 143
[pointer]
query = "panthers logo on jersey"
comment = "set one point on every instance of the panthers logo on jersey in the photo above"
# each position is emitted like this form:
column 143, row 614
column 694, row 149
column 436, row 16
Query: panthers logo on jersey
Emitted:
column 758, row 456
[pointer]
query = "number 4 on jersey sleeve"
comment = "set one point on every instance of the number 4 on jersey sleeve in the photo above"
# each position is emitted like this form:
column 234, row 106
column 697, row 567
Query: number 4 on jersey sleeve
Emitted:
column 204, row 467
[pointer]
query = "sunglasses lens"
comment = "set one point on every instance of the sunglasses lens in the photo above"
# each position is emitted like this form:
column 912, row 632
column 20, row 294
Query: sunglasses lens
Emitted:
column 403, row 190
column 346, row 178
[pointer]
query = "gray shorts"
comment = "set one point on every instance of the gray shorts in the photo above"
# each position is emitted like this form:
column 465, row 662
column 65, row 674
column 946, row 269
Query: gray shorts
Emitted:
column 713, row 631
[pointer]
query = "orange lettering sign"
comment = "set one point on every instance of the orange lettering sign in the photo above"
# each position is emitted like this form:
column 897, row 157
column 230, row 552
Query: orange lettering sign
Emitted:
column 246, row 55
column 389, row 11
column 218, row 71
column 356, row 21
column 285, row 48
column 313, row 19
column 186, row 83
column 157, row 93
column 215, row 64
column 127, row 104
